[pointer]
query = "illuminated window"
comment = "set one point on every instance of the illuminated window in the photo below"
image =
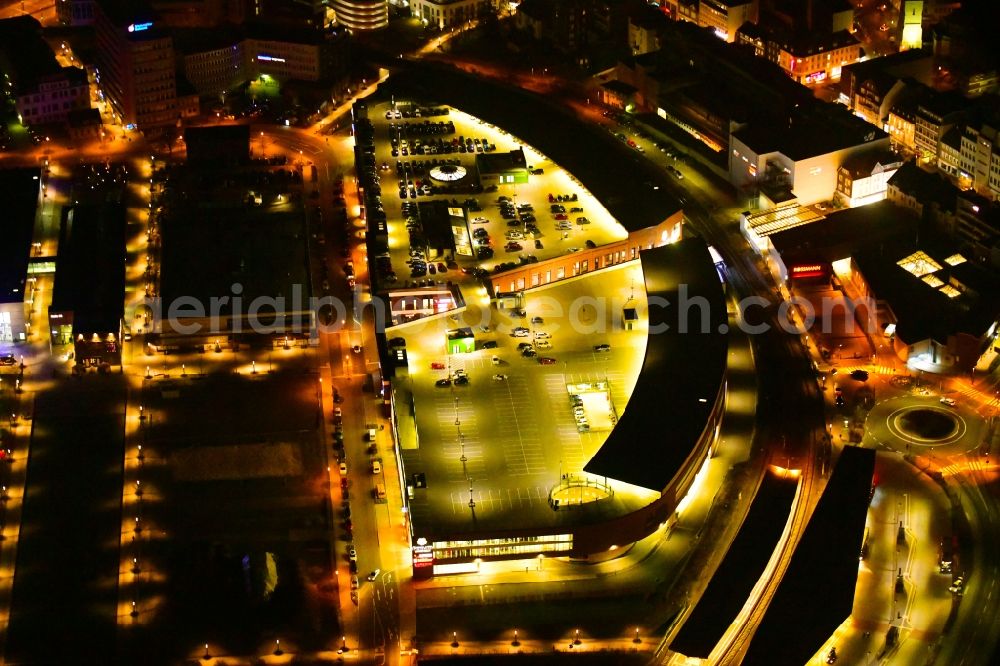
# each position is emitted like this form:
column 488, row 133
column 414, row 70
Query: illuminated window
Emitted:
column 932, row 281
column 955, row 260
column 950, row 291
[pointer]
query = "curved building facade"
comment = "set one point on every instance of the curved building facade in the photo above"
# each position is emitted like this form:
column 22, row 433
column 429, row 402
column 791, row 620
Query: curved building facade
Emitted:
column 362, row 14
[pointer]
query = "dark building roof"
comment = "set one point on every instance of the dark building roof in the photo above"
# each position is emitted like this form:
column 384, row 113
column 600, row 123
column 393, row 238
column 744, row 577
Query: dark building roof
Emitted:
column 863, row 164
column 84, row 117
column 90, row 268
column 809, row 131
column 218, row 144
column 123, row 13
column 944, row 104
column 924, row 311
column 501, row 162
column 283, row 32
column 619, row 87
column 24, row 55
column 892, row 64
column 681, row 374
column 816, row 593
column 842, row 233
column 649, row 18
column 732, row 582
column 200, row 40
column 927, row 187
column 879, row 235
column 20, row 188
column 436, row 223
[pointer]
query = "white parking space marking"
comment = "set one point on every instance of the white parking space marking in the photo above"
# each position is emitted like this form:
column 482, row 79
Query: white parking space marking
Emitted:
column 497, row 500
column 518, row 428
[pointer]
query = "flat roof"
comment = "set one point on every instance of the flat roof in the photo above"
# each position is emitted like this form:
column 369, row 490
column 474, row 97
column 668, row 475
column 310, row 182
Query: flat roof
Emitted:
column 209, row 248
column 20, row 188
column 816, row 129
column 731, row 584
column 612, row 171
column 841, row 233
column 816, row 594
column 500, row 162
column 681, row 372
column 90, row 268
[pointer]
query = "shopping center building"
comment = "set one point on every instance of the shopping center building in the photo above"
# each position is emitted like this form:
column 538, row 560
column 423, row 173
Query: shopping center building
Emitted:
column 495, row 468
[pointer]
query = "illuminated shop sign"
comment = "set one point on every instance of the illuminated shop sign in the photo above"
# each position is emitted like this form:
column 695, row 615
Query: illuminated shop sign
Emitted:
column 809, row 270
column 423, row 556
column 139, row 27
column 267, row 58
column 816, row 77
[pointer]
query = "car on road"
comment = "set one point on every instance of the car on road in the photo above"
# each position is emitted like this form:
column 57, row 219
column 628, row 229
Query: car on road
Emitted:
column 513, row 247
column 605, row 347
column 542, row 335
column 499, row 378
column 443, row 383
column 537, row 320
column 543, row 344
column 860, row 375
column 489, row 344
column 374, row 575
column 524, row 345
column 352, row 554
column 546, row 360
column 461, row 381
column 948, row 401
column 355, row 583
column 529, row 352
column 582, row 220
column 8, row 359
column 957, row 586
column 376, row 467
column 538, row 244
column 520, row 332
column 343, row 469
column 437, row 365
column 356, row 349
column 840, row 400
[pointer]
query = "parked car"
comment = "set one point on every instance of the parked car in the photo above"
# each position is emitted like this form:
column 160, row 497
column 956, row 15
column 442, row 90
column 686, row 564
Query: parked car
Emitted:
column 546, row 360
column 605, row 347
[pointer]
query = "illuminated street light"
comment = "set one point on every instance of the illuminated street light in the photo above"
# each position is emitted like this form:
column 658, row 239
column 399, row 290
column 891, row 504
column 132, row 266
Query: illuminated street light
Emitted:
column 454, row 639
column 515, row 642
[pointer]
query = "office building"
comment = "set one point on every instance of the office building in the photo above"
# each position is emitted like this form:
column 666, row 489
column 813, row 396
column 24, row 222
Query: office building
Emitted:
column 136, row 67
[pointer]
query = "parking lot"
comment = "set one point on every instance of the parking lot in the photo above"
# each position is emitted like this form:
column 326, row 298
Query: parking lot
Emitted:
column 513, row 422
column 529, row 229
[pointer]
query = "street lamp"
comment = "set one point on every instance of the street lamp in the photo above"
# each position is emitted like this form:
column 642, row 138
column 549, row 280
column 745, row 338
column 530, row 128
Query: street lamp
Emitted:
column 515, row 642
column 454, row 639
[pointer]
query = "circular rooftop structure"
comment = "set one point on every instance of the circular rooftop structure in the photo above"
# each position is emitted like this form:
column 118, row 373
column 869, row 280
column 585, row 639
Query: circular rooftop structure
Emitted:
column 448, row 173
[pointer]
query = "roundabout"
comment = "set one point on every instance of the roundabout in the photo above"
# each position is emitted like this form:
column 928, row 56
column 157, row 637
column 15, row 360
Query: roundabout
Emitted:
column 917, row 421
